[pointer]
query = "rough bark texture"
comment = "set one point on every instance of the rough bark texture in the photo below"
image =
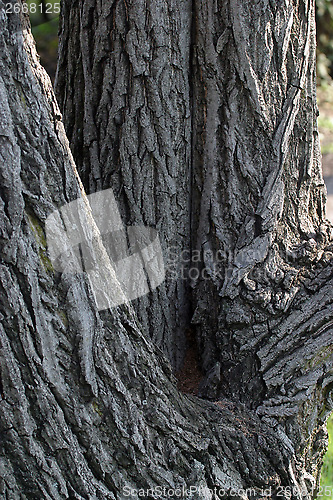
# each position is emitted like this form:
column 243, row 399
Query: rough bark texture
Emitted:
column 259, row 195
column 123, row 88
column 259, row 201
column 261, row 295
column 89, row 404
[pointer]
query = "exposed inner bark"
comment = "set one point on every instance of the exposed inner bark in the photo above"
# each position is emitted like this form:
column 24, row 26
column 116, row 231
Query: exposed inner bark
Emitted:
column 190, row 375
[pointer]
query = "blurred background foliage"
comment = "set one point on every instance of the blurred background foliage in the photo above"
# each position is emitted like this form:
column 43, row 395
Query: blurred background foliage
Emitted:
column 327, row 470
column 44, row 19
column 324, row 19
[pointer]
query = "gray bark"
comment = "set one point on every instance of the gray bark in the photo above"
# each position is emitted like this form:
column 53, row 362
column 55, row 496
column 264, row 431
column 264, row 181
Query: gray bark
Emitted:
column 127, row 115
column 89, row 404
column 256, row 190
column 259, row 194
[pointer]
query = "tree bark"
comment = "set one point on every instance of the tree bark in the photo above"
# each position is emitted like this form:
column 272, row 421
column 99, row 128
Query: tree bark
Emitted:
column 257, row 196
column 127, row 116
column 89, row 404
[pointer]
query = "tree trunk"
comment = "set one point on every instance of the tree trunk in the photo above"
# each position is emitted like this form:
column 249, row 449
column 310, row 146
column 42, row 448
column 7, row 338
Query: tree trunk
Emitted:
column 127, row 115
column 89, row 406
column 256, row 195
column 259, row 203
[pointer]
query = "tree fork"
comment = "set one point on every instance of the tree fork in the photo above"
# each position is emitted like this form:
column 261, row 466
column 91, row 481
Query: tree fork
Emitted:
column 90, row 404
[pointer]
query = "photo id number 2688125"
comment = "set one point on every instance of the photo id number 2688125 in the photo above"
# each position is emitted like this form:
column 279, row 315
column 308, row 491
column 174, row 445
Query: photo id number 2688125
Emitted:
column 325, row 492
column 32, row 8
